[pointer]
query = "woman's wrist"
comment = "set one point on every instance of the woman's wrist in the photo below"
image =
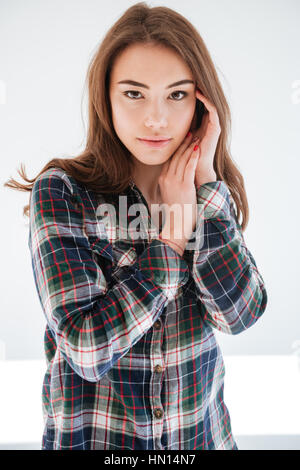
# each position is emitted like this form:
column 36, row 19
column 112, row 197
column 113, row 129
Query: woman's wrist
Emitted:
column 178, row 246
column 208, row 178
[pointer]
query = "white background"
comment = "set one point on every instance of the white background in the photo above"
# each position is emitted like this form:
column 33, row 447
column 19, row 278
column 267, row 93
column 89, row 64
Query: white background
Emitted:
column 45, row 49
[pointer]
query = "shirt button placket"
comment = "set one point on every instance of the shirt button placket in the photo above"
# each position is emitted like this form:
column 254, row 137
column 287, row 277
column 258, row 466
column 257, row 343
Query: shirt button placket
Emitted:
column 157, row 365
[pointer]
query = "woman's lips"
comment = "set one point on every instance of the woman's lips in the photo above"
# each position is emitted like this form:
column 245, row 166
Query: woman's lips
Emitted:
column 155, row 143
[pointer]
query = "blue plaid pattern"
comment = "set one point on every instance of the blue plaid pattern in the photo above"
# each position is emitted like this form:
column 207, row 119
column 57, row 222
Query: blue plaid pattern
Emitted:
column 132, row 360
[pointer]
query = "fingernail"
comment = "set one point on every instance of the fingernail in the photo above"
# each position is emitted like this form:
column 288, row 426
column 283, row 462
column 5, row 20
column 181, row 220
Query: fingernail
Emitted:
column 188, row 134
column 196, row 147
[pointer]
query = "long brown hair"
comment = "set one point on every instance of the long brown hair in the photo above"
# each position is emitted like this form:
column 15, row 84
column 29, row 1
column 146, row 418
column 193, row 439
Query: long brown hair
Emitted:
column 105, row 165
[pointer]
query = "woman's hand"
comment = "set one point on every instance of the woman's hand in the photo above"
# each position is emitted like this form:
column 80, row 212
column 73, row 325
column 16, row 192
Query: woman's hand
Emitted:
column 208, row 133
column 177, row 187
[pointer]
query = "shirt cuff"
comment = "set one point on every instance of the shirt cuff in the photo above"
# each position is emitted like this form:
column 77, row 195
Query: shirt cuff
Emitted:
column 213, row 200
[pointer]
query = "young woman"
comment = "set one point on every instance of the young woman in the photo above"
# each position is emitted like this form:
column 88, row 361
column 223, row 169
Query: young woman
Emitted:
column 132, row 359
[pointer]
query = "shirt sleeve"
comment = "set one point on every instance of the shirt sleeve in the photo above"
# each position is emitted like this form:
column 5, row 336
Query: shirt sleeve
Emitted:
column 94, row 325
column 231, row 290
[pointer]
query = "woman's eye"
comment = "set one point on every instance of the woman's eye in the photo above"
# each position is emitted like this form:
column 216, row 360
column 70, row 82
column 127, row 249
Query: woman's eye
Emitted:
column 130, row 91
column 183, row 92
column 126, row 93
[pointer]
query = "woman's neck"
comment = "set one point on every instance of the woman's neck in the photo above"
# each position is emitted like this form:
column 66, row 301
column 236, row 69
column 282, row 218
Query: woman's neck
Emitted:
column 146, row 179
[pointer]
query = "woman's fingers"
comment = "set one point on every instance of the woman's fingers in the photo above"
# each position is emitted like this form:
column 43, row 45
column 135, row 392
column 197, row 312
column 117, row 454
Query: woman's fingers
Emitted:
column 190, row 168
column 177, row 155
column 176, row 165
column 182, row 161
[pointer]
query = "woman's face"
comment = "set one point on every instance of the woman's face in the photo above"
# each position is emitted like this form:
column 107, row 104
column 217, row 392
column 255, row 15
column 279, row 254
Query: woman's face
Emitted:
column 155, row 109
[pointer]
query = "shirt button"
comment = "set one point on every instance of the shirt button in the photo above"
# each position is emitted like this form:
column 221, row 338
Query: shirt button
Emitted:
column 158, row 368
column 158, row 413
column 157, row 325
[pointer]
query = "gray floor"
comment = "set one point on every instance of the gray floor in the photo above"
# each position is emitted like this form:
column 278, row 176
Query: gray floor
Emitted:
column 284, row 442
column 269, row 442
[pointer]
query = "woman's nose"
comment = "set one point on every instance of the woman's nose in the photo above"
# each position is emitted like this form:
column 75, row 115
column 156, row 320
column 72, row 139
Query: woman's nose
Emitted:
column 151, row 122
column 156, row 114
column 157, row 118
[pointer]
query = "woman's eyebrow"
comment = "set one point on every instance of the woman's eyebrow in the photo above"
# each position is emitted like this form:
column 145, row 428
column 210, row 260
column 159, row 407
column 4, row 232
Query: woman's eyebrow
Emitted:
column 134, row 83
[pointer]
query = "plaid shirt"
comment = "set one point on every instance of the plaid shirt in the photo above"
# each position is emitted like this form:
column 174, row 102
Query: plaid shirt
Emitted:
column 132, row 359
